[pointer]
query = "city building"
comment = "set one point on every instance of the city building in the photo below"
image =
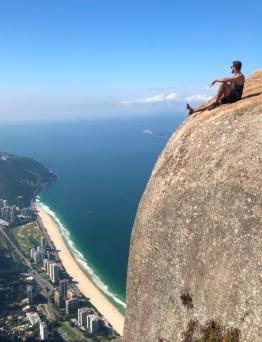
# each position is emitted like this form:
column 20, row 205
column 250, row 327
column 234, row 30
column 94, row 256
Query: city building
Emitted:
column 47, row 265
column 41, row 250
column 7, row 213
column 54, row 272
column 3, row 223
column 72, row 305
column 71, row 293
column 48, row 255
column 32, row 252
column 27, row 212
column 10, row 213
column 20, row 202
column 30, row 293
column 13, row 214
column 43, row 331
column 42, row 243
column 82, row 315
column 33, row 317
column 63, row 286
column 108, row 329
column 36, row 256
column 59, row 300
column 44, row 263
column 93, row 323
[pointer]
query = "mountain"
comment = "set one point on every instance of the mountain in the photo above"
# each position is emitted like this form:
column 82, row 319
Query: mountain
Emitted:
column 194, row 268
column 22, row 176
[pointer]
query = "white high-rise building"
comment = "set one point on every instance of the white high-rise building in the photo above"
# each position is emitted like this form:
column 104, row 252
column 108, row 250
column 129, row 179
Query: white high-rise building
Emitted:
column 48, row 267
column 54, row 272
column 82, row 315
column 32, row 252
column 43, row 331
column 5, row 203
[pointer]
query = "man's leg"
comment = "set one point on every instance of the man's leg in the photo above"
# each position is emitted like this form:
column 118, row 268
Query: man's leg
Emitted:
column 223, row 90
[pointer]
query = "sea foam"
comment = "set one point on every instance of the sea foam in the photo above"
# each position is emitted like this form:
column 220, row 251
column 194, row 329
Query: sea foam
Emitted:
column 78, row 255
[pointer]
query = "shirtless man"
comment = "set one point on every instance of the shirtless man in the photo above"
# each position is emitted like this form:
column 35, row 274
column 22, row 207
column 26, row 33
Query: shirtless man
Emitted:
column 230, row 90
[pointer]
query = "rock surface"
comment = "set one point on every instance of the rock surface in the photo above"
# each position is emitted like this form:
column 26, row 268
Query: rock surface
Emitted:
column 198, row 229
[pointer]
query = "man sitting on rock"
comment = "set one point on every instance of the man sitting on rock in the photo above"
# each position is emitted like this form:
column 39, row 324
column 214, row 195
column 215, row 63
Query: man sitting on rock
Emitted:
column 230, row 90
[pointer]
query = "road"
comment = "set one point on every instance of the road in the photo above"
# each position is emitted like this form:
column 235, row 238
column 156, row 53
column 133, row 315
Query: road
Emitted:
column 46, row 288
column 77, row 332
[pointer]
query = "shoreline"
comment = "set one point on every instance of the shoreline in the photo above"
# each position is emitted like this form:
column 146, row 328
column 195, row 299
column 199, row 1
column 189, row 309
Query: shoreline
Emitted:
column 85, row 285
column 82, row 262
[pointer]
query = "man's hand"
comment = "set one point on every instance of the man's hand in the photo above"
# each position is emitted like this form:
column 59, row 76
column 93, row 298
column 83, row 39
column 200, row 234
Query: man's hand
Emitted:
column 212, row 83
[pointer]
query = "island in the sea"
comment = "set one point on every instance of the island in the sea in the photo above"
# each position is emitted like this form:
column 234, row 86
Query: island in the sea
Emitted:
column 45, row 293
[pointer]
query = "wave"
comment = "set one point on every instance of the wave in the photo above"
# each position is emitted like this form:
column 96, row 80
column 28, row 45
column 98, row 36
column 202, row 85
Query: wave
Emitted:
column 78, row 255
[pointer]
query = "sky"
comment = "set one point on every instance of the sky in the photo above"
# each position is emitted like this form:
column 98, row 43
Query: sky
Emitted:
column 82, row 59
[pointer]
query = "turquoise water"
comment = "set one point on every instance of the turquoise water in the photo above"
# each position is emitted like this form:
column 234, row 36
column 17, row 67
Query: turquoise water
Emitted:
column 103, row 167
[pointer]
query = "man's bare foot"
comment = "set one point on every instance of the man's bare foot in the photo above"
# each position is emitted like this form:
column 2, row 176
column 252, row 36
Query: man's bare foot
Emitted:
column 190, row 109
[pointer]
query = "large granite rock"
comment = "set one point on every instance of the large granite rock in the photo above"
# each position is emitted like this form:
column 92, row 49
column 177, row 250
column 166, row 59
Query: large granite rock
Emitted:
column 196, row 244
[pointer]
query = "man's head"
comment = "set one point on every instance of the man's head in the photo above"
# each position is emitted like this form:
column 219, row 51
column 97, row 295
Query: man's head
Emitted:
column 236, row 66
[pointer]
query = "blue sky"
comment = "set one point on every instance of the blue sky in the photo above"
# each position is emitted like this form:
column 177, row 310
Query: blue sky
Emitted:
column 63, row 60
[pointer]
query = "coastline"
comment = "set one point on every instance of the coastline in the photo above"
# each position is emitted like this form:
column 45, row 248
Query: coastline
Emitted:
column 85, row 285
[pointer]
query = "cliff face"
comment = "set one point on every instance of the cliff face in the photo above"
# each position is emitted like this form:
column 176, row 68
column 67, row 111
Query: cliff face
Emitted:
column 196, row 245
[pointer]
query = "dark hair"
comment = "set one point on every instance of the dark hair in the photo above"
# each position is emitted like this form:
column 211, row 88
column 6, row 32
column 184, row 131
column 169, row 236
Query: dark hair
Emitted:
column 237, row 65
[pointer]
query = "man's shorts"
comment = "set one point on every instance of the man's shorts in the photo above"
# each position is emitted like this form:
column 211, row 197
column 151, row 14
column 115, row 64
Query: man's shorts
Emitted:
column 232, row 97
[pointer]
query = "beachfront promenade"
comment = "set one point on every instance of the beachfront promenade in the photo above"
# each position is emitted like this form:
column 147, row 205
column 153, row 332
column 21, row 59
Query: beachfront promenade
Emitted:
column 85, row 285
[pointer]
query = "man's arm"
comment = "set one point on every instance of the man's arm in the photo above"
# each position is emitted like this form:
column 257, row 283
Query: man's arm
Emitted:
column 227, row 79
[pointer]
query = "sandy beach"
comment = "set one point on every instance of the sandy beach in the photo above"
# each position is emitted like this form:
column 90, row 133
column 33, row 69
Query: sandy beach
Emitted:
column 86, row 286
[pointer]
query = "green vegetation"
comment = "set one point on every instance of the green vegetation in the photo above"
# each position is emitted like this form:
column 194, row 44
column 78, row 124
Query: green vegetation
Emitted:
column 26, row 236
column 21, row 176
column 8, row 259
column 10, row 270
column 69, row 331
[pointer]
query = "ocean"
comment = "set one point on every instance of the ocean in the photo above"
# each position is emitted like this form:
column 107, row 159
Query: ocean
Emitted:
column 102, row 167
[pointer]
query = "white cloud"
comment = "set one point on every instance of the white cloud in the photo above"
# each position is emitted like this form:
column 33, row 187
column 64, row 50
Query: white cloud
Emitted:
column 153, row 99
column 167, row 98
column 198, row 97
